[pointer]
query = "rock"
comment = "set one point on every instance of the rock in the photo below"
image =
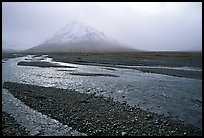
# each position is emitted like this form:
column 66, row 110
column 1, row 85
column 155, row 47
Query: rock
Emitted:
column 114, row 125
column 98, row 115
column 148, row 117
column 165, row 122
column 156, row 122
column 124, row 102
column 84, row 101
column 124, row 133
column 172, row 132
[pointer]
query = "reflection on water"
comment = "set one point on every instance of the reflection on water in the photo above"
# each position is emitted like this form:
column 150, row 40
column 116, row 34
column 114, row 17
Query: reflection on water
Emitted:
column 168, row 95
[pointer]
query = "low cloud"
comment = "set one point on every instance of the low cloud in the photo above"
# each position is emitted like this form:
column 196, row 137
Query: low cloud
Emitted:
column 148, row 26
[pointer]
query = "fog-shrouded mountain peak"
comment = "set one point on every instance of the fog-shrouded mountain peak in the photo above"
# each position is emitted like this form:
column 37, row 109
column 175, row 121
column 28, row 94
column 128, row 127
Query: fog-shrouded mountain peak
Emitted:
column 74, row 32
column 79, row 37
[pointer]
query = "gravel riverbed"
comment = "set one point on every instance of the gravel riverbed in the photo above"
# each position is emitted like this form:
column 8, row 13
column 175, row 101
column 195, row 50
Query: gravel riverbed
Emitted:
column 158, row 59
column 10, row 127
column 96, row 115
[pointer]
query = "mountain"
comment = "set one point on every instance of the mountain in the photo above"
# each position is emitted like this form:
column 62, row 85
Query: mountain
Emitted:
column 78, row 37
column 8, row 50
column 10, row 46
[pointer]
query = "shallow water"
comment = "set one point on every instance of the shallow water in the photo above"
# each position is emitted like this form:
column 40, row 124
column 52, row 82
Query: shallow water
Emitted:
column 175, row 97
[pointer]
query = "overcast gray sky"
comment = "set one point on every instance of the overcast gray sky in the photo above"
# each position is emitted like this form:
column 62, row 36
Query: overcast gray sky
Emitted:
column 148, row 26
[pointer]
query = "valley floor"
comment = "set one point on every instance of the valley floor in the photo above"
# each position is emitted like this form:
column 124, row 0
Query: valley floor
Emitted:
column 98, row 115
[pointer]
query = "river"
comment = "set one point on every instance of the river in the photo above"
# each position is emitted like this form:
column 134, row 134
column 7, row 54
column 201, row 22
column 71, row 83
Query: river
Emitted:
column 175, row 97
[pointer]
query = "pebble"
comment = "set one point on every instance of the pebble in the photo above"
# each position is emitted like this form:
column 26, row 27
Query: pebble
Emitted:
column 148, row 116
column 98, row 115
column 124, row 133
column 84, row 101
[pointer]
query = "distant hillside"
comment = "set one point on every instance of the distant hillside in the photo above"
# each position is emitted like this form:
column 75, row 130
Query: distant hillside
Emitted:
column 10, row 46
column 78, row 37
column 8, row 50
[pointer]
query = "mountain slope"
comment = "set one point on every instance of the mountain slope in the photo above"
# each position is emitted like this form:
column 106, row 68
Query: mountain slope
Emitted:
column 8, row 50
column 9, row 46
column 78, row 37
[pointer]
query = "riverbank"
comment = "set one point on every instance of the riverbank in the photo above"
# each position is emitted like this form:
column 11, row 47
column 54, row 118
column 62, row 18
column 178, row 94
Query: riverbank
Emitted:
column 153, row 59
column 95, row 115
column 169, row 59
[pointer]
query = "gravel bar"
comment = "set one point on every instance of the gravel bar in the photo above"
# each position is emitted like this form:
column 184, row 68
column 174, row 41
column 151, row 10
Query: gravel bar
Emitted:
column 35, row 123
column 42, row 64
column 97, row 116
column 93, row 74
column 10, row 127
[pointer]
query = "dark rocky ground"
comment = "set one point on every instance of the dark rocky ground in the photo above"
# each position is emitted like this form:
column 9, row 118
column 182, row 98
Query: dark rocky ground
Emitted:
column 41, row 64
column 6, row 56
column 168, row 59
column 96, row 115
column 171, row 72
column 10, row 127
column 93, row 74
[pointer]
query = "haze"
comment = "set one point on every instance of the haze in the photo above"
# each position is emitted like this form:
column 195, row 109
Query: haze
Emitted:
column 149, row 26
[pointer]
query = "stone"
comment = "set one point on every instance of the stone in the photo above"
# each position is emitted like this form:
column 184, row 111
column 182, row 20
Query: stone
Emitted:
column 124, row 133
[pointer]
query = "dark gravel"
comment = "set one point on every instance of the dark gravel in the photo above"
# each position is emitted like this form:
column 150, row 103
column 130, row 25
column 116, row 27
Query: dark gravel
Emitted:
column 96, row 115
column 10, row 127
column 6, row 56
column 94, row 74
column 169, row 59
column 166, row 59
column 171, row 72
column 42, row 64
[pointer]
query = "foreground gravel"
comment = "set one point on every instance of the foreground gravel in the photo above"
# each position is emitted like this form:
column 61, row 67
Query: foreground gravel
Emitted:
column 95, row 115
column 10, row 127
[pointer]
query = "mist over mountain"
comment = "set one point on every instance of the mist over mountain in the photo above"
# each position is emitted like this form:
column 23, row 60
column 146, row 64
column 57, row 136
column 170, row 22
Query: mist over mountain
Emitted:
column 78, row 37
column 4, row 50
column 9, row 46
